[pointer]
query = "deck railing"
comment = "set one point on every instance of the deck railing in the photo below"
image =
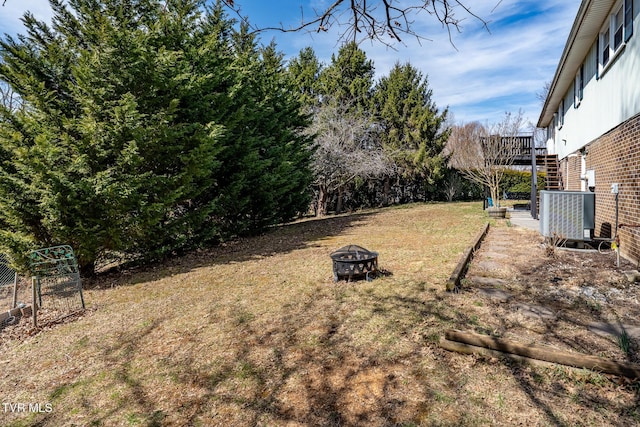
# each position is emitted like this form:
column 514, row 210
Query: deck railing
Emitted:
column 517, row 149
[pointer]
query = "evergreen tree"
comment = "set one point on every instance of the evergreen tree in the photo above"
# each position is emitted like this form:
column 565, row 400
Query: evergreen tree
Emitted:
column 103, row 156
column 288, row 148
column 304, row 73
column 413, row 129
column 135, row 114
column 266, row 170
column 348, row 80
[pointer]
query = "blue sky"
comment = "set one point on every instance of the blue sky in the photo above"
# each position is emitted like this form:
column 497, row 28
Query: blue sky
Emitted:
column 482, row 77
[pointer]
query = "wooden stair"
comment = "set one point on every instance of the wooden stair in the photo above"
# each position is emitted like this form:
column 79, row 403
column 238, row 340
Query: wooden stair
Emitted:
column 553, row 176
column 551, row 165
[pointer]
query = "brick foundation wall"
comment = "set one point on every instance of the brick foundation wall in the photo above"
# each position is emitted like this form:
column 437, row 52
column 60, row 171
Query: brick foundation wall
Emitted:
column 563, row 173
column 615, row 157
column 572, row 172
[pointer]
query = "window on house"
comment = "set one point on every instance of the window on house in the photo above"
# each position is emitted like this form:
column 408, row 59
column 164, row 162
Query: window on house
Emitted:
column 616, row 31
column 605, row 48
column 618, row 26
column 628, row 19
column 561, row 115
column 578, row 86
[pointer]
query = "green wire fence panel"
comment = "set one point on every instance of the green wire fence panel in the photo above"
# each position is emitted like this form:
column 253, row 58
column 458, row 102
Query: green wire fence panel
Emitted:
column 7, row 284
column 57, row 280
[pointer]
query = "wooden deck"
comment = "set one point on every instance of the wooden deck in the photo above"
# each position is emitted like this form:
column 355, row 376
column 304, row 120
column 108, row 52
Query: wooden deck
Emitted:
column 520, row 150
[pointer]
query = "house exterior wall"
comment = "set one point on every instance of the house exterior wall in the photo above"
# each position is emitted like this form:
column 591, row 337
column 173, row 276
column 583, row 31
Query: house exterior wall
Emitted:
column 610, row 97
column 601, row 131
column 571, row 168
column 615, row 158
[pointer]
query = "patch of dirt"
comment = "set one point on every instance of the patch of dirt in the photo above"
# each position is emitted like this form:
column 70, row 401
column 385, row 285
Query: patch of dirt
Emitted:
column 21, row 327
column 553, row 296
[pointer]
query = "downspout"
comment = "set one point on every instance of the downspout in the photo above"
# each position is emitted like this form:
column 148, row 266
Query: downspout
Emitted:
column 616, row 238
column 583, row 172
column 534, row 182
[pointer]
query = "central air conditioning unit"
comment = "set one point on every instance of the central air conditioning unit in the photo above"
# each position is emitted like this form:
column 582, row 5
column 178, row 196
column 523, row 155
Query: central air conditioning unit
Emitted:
column 567, row 214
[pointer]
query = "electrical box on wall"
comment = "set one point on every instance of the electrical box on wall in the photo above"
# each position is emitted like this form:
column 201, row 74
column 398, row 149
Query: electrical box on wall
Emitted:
column 567, row 214
column 615, row 188
column 591, row 178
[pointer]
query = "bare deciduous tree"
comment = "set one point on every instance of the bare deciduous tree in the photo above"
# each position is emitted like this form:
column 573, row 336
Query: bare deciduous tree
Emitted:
column 381, row 20
column 483, row 153
column 452, row 185
column 346, row 148
column 8, row 98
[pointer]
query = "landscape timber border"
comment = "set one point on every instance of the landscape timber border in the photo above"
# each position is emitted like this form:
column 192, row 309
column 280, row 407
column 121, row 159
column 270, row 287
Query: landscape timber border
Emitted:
column 453, row 283
column 484, row 345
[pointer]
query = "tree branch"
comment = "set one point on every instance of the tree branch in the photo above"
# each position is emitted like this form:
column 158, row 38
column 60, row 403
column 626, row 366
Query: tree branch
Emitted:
column 380, row 20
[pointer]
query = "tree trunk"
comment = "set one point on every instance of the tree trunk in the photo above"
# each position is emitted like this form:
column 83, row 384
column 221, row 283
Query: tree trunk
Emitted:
column 339, row 202
column 386, row 190
column 87, row 268
column 494, row 196
column 495, row 188
column 322, row 201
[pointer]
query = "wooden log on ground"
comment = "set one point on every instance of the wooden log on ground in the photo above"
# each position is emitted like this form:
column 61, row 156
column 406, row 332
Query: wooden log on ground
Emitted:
column 544, row 353
column 12, row 313
column 458, row 273
column 463, row 348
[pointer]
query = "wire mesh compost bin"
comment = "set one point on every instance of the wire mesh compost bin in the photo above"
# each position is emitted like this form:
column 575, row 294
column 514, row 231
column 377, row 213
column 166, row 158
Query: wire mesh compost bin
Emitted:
column 354, row 261
column 56, row 280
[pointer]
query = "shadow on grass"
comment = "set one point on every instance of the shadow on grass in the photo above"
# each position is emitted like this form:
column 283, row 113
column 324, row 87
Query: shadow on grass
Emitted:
column 283, row 375
column 278, row 240
column 555, row 391
column 306, row 366
column 343, row 354
column 119, row 357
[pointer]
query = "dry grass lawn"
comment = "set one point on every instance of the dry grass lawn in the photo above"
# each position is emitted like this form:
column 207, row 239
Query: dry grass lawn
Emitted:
column 256, row 333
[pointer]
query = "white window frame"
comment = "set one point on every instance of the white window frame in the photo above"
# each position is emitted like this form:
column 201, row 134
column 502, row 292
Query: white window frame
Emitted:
column 578, row 87
column 612, row 31
column 561, row 114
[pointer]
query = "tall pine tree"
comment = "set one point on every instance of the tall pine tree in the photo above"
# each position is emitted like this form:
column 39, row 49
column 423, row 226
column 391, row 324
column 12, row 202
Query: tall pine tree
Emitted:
column 103, row 156
column 266, row 171
column 413, row 129
column 304, row 74
column 348, row 80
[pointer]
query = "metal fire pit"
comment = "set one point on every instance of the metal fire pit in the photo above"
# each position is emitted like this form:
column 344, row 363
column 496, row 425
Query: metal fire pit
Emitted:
column 354, row 261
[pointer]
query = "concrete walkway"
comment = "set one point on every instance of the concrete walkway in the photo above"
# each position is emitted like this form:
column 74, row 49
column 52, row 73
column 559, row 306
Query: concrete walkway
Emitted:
column 492, row 275
column 522, row 218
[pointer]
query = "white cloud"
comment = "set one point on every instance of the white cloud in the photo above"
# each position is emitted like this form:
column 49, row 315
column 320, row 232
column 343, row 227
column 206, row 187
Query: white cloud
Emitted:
column 487, row 72
column 484, row 75
column 507, row 66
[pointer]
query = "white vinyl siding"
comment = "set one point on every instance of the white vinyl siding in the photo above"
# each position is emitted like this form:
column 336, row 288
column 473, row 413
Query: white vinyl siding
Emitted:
column 609, row 98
